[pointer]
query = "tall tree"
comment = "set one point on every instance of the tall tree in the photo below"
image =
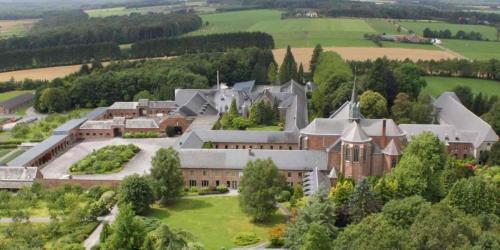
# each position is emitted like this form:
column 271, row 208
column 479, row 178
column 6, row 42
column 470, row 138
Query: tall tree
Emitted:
column 128, row 232
column 421, row 110
column 315, row 58
column 54, row 100
column 473, row 196
column 363, row 201
column 300, row 74
column 317, row 237
column 381, row 79
column 401, row 109
column 288, row 69
column 166, row 174
column 465, row 95
column 137, row 191
column 493, row 117
column 260, row 184
column 163, row 238
column 272, row 74
column 410, row 80
column 401, row 213
column 373, row 105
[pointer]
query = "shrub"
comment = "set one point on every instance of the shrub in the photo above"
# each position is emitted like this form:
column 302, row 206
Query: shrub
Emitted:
column 276, row 235
column 284, row 196
column 245, row 239
column 207, row 190
column 171, row 131
column 193, row 189
column 148, row 134
column 105, row 160
column 222, row 189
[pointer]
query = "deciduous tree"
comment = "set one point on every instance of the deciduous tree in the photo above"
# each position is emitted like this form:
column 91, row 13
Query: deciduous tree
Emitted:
column 137, row 191
column 127, row 232
column 166, row 174
column 373, row 105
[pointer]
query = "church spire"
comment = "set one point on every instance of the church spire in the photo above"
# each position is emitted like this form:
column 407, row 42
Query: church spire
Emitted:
column 354, row 112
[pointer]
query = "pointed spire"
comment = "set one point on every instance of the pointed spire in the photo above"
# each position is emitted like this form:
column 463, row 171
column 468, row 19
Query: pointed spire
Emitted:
column 354, row 96
column 354, row 110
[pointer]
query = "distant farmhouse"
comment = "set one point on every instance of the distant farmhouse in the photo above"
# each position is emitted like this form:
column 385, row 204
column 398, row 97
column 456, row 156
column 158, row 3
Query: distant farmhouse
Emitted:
column 12, row 105
column 313, row 154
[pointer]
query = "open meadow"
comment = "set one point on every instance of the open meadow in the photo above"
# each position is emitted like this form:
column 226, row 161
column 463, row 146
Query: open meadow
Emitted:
column 437, row 85
column 11, row 94
column 9, row 28
column 418, row 27
column 475, row 50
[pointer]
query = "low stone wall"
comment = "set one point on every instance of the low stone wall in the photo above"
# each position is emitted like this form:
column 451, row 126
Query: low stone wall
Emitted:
column 51, row 183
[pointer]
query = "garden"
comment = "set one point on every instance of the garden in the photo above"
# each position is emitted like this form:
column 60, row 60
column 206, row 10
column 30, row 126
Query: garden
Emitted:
column 263, row 116
column 109, row 159
column 200, row 215
column 67, row 216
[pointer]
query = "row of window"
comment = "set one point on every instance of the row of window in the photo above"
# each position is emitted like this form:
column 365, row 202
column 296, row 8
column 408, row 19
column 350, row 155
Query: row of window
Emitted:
column 234, row 173
column 356, row 154
column 94, row 134
column 206, row 183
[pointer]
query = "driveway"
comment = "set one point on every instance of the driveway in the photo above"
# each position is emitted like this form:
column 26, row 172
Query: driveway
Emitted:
column 140, row 164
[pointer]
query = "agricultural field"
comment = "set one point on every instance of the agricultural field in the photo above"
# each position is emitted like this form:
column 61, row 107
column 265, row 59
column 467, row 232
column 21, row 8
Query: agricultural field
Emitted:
column 418, row 27
column 437, row 85
column 11, row 94
column 294, row 32
column 9, row 28
column 199, row 216
column 303, row 55
column 476, row 50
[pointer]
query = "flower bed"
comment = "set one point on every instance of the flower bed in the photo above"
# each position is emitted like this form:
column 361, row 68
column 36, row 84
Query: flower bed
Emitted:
column 105, row 160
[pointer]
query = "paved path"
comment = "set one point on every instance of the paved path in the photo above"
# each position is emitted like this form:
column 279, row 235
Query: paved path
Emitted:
column 30, row 116
column 31, row 219
column 93, row 238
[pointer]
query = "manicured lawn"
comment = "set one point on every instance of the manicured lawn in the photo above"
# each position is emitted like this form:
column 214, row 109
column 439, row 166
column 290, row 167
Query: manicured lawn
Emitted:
column 264, row 128
column 437, row 85
column 418, row 27
column 213, row 221
column 294, row 32
column 476, row 50
column 11, row 94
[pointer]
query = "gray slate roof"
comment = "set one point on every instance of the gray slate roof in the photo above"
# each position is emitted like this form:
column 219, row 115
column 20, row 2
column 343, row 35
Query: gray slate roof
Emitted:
column 244, row 86
column 141, row 123
column 96, row 113
column 238, row 158
column 372, row 127
column 124, row 105
column 105, row 124
column 354, row 133
column 18, row 100
column 315, row 182
column 65, row 128
column 452, row 112
column 198, row 105
column 392, row 149
column 23, row 159
column 238, row 136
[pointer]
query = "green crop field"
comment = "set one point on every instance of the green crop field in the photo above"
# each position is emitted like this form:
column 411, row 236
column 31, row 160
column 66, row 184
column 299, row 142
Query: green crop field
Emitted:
column 477, row 50
column 437, row 85
column 9, row 28
column 383, row 26
column 11, row 94
column 419, row 26
column 294, row 32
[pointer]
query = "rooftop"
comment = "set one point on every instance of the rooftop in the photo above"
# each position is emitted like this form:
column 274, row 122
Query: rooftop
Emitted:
column 26, row 157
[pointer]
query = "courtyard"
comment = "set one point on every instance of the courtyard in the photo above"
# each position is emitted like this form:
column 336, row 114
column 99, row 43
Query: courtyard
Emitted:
column 140, row 164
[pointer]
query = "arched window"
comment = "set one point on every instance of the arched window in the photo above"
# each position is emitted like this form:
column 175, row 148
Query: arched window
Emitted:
column 356, row 153
column 347, row 152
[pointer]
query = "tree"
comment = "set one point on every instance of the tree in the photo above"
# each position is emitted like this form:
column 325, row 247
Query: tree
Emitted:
column 341, row 193
column 144, row 95
column 373, row 105
column 318, row 210
column 429, row 149
column 373, row 232
column 272, row 74
column 137, row 191
column 228, row 117
column 262, row 113
column 300, row 74
column 363, row 202
column 401, row 213
column 494, row 154
column 421, row 110
column 465, row 95
column 381, row 79
column 298, row 191
column 166, row 174
column 315, row 58
column 54, row 100
column 317, row 238
column 127, row 232
column 163, row 238
column 493, row 117
column 412, row 176
column 410, row 80
column 288, row 69
column 260, row 184
column 473, row 196
column 401, row 109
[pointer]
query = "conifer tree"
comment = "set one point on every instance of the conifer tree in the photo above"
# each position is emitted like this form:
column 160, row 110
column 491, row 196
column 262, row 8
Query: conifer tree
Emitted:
column 315, row 58
column 300, row 75
column 288, row 69
column 272, row 74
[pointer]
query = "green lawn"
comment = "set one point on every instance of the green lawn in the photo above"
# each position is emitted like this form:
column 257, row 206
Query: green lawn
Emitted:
column 213, row 221
column 265, row 128
column 419, row 26
column 294, row 32
column 383, row 26
column 477, row 50
column 11, row 94
column 437, row 85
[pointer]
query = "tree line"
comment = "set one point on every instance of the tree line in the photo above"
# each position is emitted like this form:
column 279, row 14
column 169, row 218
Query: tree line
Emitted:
column 59, row 55
column 74, row 27
column 199, row 44
column 446, row 34
column 121, row 81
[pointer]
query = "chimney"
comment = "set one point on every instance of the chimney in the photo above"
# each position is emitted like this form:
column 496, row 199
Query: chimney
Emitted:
column 383, row 142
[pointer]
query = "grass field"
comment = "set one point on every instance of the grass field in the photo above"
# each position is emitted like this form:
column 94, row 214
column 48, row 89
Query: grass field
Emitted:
column 476, row 50
column 213, row 221
column 11, row 94
column 10, row 28
column 294, row 32
column 419, row 26
column 437, row 85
